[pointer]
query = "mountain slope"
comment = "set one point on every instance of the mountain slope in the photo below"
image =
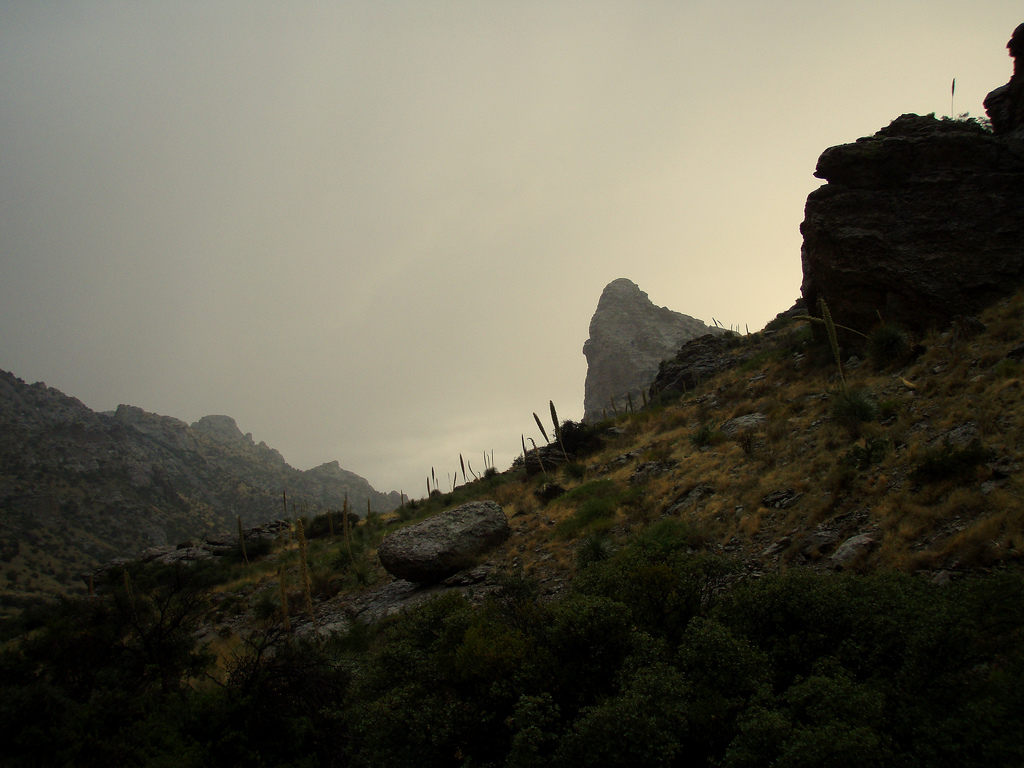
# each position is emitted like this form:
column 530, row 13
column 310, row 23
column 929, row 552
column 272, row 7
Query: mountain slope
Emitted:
column 78, row 488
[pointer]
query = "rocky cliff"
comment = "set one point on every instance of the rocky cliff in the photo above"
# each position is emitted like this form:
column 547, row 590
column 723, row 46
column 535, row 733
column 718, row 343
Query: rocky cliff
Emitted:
column 79, row 487
column 629, row 337
column 919, row 223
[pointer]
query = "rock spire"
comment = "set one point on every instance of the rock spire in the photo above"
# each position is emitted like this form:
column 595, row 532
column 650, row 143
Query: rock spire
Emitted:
column 629, row 337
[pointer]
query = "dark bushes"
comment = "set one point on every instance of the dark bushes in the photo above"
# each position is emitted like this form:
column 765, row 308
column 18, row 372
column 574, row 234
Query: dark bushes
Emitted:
column 655, row 657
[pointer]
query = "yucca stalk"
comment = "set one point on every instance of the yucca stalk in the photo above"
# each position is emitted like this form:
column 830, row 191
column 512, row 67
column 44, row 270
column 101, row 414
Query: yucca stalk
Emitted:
column 629, row 401
column 462, row 463
column 129, row 594
column 537, row 450
column 614, row 409
column 306, row 586
column 558, row 429
column 346, row 526
column 241, row 540
column 830, row 329
column 541, row 427
column 285, row 611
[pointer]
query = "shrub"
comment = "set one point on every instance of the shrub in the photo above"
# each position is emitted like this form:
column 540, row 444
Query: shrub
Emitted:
column 581, row 439
column 707, row 434
column 778, row 323
column 888, row 344
column 853, row 407
column 575, row 470
column 592, row 510
column 747, row 440
column 872, row 452
column 1007, row 368
column 671, row 535
column 663, row 587
column 593, row 549
column 266, row 606
column 321, row 525
column 949, row 463
column 644, row 724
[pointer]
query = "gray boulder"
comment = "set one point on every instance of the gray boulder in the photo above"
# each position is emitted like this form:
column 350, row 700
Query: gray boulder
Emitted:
column 750, row 422
column 444, row 544
column 851, row 549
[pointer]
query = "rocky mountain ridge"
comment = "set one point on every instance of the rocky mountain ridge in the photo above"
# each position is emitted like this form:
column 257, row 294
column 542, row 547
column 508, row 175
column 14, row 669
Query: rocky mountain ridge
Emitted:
column 79, row 487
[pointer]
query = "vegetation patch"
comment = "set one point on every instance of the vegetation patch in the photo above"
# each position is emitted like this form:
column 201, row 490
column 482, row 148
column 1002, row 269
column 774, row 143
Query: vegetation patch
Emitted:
column 850, row 408
column 948, row 462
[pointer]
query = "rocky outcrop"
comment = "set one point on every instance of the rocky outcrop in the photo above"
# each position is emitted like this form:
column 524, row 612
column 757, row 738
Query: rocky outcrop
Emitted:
column 1005, row 105
column 443, row 544
column 696, row 361
column 919, row 223
column 629, row 337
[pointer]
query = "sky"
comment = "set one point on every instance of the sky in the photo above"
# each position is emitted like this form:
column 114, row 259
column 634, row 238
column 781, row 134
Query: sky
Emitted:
column 376, row 232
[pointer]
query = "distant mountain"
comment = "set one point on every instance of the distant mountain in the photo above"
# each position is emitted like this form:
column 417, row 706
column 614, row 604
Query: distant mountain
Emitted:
column 79, row 487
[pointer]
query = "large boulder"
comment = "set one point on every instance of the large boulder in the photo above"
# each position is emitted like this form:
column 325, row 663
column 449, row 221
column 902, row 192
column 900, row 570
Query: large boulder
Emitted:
column 629, row 337
column 441, row 545
column 919, row 223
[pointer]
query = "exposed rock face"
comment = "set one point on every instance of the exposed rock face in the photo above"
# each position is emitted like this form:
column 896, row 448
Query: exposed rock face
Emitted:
column 919, row 223
column 1005, row 105
column 444, row 544
column 629, row 337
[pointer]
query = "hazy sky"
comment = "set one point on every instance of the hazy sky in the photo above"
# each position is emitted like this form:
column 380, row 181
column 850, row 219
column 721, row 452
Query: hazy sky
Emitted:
column 376, row 231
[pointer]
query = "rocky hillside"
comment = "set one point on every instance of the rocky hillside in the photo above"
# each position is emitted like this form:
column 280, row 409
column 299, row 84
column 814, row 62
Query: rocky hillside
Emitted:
column 909, row 461
column 78, row 488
